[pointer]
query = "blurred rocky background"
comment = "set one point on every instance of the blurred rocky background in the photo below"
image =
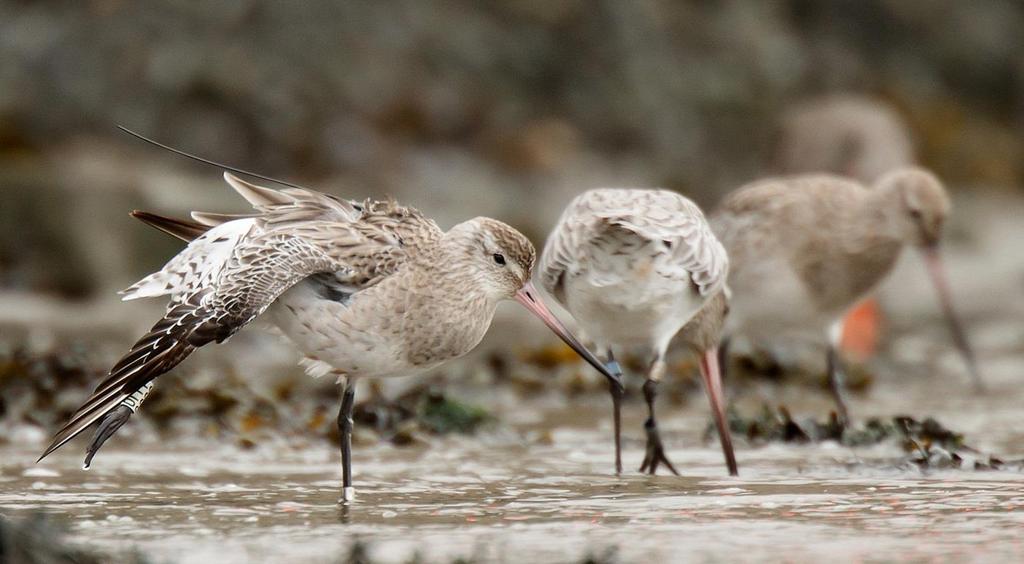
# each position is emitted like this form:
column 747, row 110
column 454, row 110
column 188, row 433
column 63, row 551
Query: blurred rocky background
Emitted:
column 459, row 108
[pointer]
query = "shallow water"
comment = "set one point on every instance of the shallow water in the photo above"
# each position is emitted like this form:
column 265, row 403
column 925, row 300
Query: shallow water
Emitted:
column 516, row 493
column 547, row 504
column 539, row 486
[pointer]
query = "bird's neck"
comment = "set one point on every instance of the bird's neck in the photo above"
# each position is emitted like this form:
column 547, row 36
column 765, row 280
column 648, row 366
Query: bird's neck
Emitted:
column 704, row 331
column 876, row 221
column 458, row 310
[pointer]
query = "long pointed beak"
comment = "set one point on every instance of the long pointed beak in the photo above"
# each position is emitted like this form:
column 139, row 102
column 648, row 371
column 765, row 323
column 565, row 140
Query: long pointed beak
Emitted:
column 933, row 261
column 713, row 386
column 528, row 297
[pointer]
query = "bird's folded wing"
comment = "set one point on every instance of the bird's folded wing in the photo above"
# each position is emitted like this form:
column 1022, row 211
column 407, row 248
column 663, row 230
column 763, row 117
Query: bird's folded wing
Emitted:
column 557, row 258
column 687, row 237
column 652, row 215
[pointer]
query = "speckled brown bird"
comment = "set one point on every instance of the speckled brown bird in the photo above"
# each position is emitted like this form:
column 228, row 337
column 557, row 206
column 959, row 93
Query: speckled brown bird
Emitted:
column 633, row 266
column 805, row 249
column 362, row 289
column 853, row 135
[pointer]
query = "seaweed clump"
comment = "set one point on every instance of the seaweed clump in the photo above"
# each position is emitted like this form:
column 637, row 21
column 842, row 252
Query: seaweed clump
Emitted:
column 927, row 443
column 932, row 446
column 35, row 385
column 423, row 410
column 440, row 414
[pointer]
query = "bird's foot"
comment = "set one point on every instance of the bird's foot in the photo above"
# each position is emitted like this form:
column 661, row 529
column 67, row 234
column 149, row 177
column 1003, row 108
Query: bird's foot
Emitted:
column 655, row 454
column 109, row 425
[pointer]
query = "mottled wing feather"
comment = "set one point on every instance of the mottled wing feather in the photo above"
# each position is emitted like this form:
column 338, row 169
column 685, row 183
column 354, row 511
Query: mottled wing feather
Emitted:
column 198, row 265
column 259, row 270
column 293, row 204
column 780, row 215
column 651, row 215
column 211, row 219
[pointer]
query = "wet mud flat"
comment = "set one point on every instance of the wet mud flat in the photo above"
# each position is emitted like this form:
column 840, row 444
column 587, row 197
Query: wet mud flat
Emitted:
column 510, row 496
column 536, row 483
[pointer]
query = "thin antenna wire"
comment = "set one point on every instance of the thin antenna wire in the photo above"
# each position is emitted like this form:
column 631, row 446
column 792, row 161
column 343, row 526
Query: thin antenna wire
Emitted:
column 209, row 162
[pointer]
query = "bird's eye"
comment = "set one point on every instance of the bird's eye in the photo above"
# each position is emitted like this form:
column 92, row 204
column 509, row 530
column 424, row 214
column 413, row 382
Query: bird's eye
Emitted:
column 915, row 213
column 499, row 258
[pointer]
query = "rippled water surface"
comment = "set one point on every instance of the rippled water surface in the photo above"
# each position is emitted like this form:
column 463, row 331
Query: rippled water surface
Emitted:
column 539, row 486
column 507, row 497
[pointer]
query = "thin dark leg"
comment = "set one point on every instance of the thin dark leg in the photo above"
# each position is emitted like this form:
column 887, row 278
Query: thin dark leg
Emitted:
column 616, row 390
column 345, row 432
column 655, row 454
column 836, row 383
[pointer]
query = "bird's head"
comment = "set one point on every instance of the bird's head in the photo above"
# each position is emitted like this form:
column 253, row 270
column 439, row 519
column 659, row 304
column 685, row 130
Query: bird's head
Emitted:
column 920, row 211
column 500, row 257
column 919, row 205
column 500, row 260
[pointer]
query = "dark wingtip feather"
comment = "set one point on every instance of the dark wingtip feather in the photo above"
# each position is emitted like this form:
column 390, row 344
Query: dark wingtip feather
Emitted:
column 180, row 228
column 58, row 442
column 80, row 422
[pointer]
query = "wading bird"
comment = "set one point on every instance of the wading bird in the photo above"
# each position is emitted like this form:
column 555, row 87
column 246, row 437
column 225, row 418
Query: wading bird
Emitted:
column 805, row 249
column 850, row 135
column 362, row 289
column 633, row 266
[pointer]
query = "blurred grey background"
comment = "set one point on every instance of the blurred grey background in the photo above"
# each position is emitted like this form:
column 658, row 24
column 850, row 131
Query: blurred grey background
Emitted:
column 460, row 108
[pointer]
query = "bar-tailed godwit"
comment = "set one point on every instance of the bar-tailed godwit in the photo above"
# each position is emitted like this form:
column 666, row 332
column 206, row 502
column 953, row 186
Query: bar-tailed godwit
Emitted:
column 851, row 135
column 633, row 266
column 805, row 249
column 362, row 289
